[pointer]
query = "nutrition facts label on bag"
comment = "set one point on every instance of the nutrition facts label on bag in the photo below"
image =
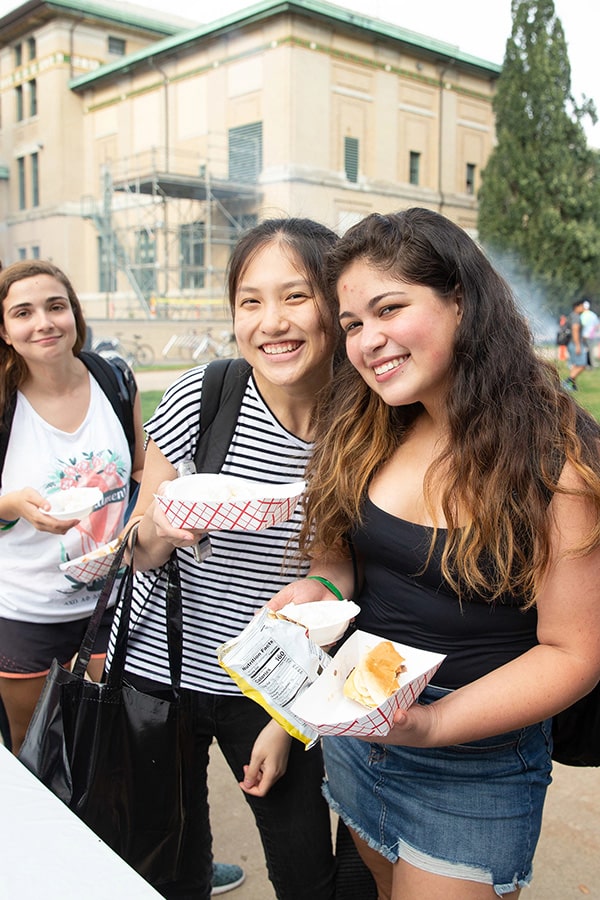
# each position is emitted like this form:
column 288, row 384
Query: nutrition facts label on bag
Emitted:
column 275, row 658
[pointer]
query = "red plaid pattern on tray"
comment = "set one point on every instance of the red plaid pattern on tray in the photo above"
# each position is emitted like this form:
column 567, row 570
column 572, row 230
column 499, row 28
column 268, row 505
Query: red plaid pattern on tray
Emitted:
column 324, row 707
column 377, row 721
column 241, row 515
column 86, row 570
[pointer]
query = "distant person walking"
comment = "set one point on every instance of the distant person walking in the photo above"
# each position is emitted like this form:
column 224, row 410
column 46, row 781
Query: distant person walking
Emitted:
column 578, row 355
column 590, row 325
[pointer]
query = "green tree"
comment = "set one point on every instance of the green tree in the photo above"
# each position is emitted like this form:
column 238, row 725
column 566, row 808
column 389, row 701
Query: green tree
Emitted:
column 539, row 203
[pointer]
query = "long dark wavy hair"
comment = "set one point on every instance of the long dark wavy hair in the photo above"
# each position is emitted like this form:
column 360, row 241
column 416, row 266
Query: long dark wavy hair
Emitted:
column 511, row 425
column 13, row 369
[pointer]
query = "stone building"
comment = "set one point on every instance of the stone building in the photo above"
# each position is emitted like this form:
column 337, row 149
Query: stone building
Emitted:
column 134, row 148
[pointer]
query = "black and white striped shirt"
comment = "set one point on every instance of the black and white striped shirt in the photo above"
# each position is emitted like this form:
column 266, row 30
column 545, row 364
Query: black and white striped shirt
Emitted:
column 220, row 595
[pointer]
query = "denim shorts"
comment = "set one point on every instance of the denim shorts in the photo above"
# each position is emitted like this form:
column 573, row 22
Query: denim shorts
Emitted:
column 577, row 359
column 471, row 811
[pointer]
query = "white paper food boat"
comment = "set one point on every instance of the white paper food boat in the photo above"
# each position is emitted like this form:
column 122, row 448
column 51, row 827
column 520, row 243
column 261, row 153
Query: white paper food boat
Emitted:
column 91, row 566
column 253, row 506
column 324, row 706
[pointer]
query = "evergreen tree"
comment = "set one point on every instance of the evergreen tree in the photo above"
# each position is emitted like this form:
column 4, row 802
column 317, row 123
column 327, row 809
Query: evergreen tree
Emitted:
column 539, row 204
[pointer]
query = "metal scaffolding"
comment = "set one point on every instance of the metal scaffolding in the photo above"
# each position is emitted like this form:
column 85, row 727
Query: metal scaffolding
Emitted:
column 166, row 229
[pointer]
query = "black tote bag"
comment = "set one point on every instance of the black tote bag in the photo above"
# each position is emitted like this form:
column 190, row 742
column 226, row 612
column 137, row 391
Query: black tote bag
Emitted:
column 115, row 756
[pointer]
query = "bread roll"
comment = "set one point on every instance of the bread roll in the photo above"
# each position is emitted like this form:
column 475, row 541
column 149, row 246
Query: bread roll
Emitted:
column 375, row 678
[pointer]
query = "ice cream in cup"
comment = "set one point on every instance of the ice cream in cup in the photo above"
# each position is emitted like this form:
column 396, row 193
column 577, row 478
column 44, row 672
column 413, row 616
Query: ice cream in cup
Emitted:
column 73, row 503
column 325, row 620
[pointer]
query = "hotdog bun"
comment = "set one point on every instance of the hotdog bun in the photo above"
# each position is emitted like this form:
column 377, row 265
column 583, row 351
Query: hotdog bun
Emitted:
column 375, row 677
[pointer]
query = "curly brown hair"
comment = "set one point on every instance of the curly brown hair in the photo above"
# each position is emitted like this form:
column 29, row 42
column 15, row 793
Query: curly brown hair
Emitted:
column 511, row 425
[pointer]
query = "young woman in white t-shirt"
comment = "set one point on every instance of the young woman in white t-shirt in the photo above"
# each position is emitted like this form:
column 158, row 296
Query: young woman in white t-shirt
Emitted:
column 64, row 433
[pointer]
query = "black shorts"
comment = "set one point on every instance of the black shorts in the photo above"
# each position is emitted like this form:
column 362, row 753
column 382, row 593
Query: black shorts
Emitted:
column 28, row 648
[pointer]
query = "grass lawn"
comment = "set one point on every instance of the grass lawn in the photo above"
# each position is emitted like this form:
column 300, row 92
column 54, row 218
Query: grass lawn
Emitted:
column 588, row 393
column 150, row 401
column 588, row 389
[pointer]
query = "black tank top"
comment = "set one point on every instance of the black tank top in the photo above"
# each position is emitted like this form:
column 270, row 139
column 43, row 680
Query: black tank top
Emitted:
column 422, row 610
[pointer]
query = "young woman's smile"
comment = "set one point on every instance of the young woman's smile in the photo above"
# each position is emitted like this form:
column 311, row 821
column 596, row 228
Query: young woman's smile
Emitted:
column 278, row 323
column 399, row 336
column 38, row 317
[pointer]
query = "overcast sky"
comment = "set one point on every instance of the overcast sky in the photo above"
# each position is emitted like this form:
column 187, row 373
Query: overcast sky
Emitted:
column 479, row 27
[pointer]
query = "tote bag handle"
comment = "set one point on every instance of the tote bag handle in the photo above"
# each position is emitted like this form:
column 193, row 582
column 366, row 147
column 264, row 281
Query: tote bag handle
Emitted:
column 123, row 605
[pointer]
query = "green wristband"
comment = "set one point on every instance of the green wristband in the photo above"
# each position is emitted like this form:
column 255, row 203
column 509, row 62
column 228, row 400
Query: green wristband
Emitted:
column 6, row 525
column 329, row 585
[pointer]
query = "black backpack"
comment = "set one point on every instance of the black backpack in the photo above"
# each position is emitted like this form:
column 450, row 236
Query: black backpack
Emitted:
column 116, row 380
column 563, row 335
column 223, row 388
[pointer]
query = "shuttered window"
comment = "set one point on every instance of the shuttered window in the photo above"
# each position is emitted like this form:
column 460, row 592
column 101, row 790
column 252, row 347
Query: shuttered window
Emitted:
column 351, row 158
column 245, row 153
column 414, row 166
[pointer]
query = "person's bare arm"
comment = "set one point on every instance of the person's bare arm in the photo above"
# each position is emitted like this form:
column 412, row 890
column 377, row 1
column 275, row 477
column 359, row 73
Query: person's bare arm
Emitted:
column 309, row 590
column 156, row 538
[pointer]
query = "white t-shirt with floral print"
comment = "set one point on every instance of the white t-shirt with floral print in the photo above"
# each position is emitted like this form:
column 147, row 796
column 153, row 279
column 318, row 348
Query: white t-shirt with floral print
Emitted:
column 32, row 586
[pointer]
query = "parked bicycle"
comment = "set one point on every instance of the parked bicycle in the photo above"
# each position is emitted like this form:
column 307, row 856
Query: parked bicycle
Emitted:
column 209, row 347
column 134, row 351
column 202, row 346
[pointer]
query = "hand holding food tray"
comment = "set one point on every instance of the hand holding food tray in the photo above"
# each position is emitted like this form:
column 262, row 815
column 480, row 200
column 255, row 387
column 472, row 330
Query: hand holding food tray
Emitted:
column 324, row 707
column 207, row 502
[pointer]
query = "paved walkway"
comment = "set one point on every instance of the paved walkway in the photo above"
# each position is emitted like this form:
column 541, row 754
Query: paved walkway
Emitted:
column 566, row 865
column 157, row 379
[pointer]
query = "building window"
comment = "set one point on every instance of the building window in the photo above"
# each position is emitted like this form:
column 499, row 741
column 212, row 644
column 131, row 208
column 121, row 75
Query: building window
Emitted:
column 107, row 270
column 145, row 261
column 18, row 55
column 19, row 100
column 35, row 180
column 351, row 158
column 33, row 97
column 245, row 153
column 414, row 163
column 470, row 178
column 31, row 48
column 116, row 46
column 21, row 181
column 22, row 253
column 191, row 243
column 35, row 251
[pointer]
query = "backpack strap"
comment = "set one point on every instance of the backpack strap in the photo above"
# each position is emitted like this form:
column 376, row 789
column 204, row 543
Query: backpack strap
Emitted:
column 118, row 383
column 223, row 388
column 116, row 380
column 5, row 426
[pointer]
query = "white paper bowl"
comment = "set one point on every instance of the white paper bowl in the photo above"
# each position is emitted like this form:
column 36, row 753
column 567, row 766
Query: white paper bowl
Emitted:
column 74, row 503
column 91, row 566
column 324, row 706
column 208, row 502
column 326, row 620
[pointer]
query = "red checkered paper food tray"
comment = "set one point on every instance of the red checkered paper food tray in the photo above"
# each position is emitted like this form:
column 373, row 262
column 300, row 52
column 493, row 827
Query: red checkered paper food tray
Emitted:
column 90, row 567
column 324, row 706
column 237, row 514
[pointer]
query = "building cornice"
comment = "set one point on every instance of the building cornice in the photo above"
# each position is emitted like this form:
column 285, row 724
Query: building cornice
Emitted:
column 315, row 10
column 31, row 15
